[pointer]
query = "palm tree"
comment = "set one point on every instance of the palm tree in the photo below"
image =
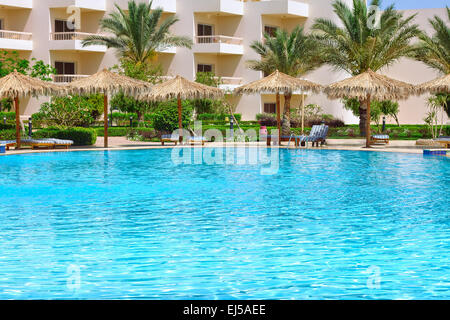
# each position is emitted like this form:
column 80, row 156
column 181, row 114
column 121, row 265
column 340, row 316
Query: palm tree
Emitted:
column 291, row 53
column 138, row 33
column 360, row 44
column 434, row 51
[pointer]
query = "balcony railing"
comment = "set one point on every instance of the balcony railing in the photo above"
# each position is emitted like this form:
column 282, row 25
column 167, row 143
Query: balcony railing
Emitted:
column 230, row 80
column 219, row 39
column 15, row 35
column 70, row 35
column 67, row 78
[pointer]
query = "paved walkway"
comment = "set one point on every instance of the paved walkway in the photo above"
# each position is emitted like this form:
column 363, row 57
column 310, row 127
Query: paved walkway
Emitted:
column 121, row 143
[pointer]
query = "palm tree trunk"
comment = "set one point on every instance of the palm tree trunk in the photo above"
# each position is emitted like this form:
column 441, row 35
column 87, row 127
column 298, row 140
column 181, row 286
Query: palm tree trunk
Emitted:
column 368, row 137
column 286, row 124
column 362, row 119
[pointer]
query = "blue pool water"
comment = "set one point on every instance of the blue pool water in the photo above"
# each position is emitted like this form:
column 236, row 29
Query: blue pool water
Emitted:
column 131, row 224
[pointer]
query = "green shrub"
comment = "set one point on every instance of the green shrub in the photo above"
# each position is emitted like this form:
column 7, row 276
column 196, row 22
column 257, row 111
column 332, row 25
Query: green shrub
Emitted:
column 80, row 136
column 267, row 119
column 217, row 116
column 7, row 126
column 7, row 134
column 8, row 115
column 113, row 131
column 166, row 119
column 71, row 111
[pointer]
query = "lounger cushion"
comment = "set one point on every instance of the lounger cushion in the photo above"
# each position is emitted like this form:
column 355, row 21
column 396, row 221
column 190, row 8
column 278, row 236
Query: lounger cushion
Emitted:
column 170, row 137
column 381, row 136
column 61, row 142
column 8, row 142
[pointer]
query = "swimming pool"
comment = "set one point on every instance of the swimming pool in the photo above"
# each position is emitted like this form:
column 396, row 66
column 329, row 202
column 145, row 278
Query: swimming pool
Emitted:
column 130, row 224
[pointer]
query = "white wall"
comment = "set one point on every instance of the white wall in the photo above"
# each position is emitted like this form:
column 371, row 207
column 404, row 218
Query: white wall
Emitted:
column 248, row 26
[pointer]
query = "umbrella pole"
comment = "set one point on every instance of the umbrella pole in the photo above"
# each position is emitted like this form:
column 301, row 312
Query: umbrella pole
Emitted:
column 303, row 113
column 16, row 103
column 180, row 122
column 105, row 119
column 278, row 118
column 368, row 122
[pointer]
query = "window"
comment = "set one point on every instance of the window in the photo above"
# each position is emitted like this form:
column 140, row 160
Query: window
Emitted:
column 270, row 30
column 205, row 68
column 204, row 32
column 270, row 107
column 1, row 24
column 63, row 26
column 65, row 67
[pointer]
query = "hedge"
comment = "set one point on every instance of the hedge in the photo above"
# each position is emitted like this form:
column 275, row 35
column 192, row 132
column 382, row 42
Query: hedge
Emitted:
column 7, row 126
column 8, row 115
column 8, row 134
column 124, row 131
column 80, row 136
column 216, row 116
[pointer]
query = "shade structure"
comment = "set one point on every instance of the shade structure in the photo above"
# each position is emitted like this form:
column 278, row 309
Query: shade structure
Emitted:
column 440, row 85
column 107, row 83
column 16, row 84
column 181, row 89
column 367, row 86
column 277, row 83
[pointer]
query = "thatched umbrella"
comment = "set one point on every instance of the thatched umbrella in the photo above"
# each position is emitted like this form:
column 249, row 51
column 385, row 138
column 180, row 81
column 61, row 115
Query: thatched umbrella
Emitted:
column 106, row 82
column 440, row 85
column 370, row 85
column 277, row 83
column 181, row 89
column 16, row 84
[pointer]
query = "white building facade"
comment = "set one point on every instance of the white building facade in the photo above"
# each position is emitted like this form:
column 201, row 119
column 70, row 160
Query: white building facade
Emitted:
column 222, row 31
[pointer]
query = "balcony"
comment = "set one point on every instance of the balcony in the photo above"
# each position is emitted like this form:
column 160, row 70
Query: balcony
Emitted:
column 72, row 41
column 24, row 4
column 168, row 6
column 228, row 84
column 219, row 45
column 283, row 8
column 219, row 7
column 67, row 78
column 97, row 5
column 13, row 40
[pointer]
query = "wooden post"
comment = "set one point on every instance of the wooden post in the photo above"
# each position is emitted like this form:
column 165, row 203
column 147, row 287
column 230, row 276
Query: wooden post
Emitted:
column 368, row 123
column 105, row 119
column 303, row 113
column 278, row 118
column 16, row 103
column 180, row 122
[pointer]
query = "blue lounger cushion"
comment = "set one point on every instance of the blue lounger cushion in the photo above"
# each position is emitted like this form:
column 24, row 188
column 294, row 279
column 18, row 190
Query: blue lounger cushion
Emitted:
column 318, row 133
column 174, row 137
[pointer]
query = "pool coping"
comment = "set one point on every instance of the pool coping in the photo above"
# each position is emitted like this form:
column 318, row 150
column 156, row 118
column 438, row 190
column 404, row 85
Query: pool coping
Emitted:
column 353, row 145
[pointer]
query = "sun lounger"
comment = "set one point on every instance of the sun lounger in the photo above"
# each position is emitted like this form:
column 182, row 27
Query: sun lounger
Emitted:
column 383, row 138
column 61, row 143
column 175, row 138
column 317, row 135
column 445, row 141
column 8, row 143
column 270, row 138
column 193, row 140
column 39, row 143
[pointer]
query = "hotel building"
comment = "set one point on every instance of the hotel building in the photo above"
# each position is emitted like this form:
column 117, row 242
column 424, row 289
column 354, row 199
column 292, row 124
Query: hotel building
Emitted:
column 222, row 31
